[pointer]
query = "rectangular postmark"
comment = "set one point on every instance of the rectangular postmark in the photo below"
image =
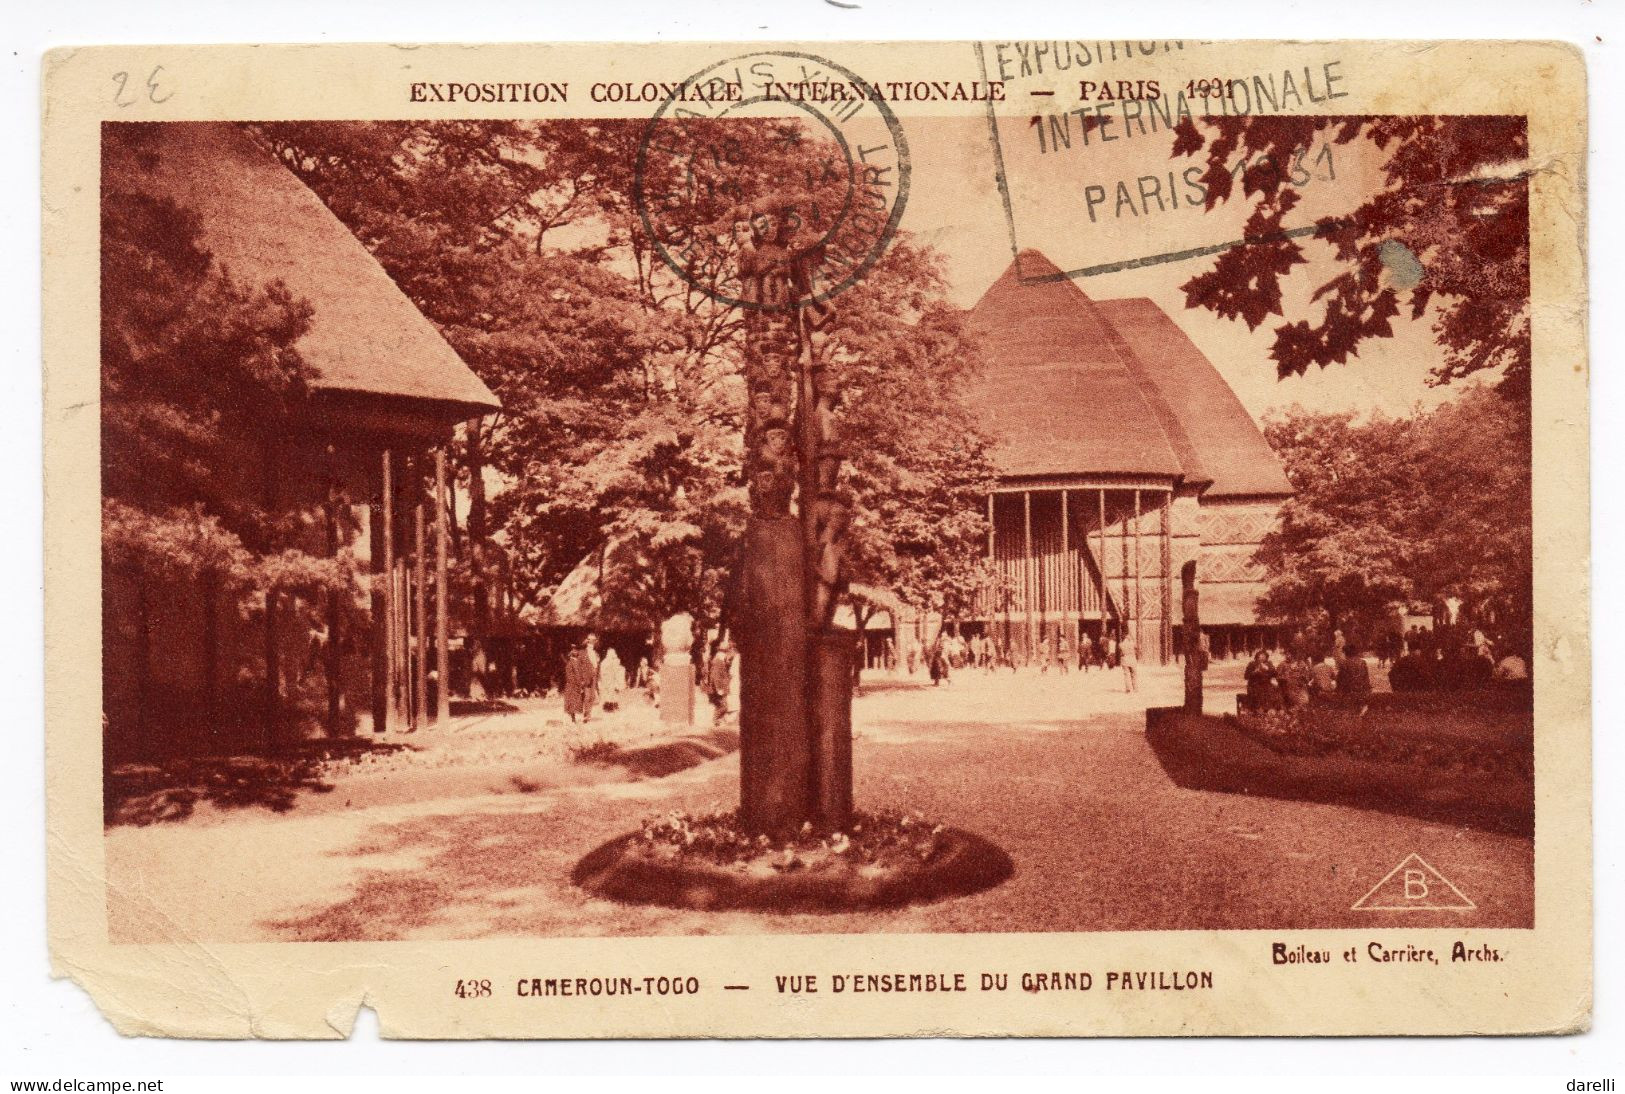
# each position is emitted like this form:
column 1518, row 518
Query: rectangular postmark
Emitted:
column 839, row 539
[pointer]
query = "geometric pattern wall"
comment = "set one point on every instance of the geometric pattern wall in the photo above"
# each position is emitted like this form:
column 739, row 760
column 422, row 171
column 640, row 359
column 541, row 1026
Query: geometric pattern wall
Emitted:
column 1247, row 522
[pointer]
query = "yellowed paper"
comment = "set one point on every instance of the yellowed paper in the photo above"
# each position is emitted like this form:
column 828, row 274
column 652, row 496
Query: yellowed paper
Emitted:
column 391, row 375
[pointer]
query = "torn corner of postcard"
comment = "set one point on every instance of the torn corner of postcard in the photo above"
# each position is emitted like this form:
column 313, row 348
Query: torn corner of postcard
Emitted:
column 1003, row 538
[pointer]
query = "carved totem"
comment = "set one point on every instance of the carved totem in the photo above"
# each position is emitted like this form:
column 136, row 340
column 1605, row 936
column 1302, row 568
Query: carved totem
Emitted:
column 795, row 670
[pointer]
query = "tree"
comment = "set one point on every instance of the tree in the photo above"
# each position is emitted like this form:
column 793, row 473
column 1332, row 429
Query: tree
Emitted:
column 197, row 369
column 919, row 467
column 1449, row 231
column 621, row 433
column 1413, row 509
column 459, row 213
column 1341, row 550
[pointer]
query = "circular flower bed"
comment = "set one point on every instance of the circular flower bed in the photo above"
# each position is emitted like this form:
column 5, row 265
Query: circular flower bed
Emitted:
column 710, row 862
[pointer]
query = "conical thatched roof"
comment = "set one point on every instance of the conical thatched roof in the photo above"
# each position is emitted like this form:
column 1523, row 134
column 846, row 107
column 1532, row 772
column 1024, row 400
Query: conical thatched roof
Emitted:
column 1224, row 443
column 263, row 225
column 1072, row 386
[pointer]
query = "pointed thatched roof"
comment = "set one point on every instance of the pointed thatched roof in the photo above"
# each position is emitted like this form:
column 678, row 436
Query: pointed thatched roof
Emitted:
column 1072, row 386
column 263, row 225
column 1225, row 445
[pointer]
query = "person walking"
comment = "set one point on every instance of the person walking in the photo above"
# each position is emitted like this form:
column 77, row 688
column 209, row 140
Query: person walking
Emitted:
column 1128, row 659
column 719, row 678
column 1354, row 680
column 1063, row 653
column 581, row 680
column 611, row 678
column 937, row 662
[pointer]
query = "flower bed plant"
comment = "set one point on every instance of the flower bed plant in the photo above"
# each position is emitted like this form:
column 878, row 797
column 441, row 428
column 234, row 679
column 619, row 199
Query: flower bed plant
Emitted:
column 1439, row 738
column 883, row 840
column 709, row 861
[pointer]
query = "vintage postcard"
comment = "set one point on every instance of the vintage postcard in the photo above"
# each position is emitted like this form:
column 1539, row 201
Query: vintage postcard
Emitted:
column 844, row 539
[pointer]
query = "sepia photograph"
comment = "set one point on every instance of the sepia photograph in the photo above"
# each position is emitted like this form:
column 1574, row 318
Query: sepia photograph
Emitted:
column 767, row 517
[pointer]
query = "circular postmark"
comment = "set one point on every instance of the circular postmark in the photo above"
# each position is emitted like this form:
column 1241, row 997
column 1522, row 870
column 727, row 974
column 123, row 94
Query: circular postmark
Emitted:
column 772, row 150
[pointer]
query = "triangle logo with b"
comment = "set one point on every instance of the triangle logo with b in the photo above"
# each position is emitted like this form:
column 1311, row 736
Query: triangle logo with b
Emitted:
column 1412, row 885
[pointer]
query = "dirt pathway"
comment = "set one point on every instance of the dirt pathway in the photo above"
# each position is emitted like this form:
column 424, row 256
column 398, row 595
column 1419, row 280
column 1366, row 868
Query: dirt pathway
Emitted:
column 1053, row 768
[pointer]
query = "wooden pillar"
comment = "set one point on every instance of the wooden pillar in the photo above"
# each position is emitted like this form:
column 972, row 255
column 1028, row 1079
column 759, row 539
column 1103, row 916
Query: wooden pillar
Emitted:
column 392, row 607
column 1027, row 577
column 420, row 604
column 442, row 652
column 1069, row 600
column 378, row 539
column 1105, row 595
column 1167, row 563
column 831, row 688
column 1124, row 608
column 333, row 662
column 1139, row 607
column 990, row 595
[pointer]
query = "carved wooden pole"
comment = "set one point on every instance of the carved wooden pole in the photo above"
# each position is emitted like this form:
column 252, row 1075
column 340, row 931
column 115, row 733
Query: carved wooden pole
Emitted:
column 1191, row 631
column 825, row 516
column 775, row 791
column 795, row 704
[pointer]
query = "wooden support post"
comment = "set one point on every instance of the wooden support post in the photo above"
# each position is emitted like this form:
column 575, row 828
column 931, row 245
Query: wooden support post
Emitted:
column 377, row 538
column 420, row 604
column 442, row 652
column 993, row 561
column 333, row 661
column 1125, row 609
column 1167, row 564
column 1027, row 576
column 392, row 597
column 1068, row 600
column 1105, row 594
column 401, row 697
column 1139, row 606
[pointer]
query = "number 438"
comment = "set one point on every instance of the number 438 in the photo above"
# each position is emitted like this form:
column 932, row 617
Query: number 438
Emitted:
column 473, row 989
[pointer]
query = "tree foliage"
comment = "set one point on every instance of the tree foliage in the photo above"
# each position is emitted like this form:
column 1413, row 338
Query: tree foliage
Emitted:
column 620, row 434
column 1402, row 509
column 1447, row 231
column 196, row 368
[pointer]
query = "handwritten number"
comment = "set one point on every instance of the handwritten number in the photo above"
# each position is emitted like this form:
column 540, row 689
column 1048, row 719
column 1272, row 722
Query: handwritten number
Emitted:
column 124, row 97
column 152, row 87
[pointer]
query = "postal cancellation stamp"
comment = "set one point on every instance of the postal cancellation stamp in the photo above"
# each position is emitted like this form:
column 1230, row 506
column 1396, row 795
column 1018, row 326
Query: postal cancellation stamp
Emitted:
column 999, row 538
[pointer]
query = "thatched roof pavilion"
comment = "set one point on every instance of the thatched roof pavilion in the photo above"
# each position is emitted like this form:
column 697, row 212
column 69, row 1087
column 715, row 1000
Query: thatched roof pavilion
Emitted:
column 1123, row 452
column 386, row 393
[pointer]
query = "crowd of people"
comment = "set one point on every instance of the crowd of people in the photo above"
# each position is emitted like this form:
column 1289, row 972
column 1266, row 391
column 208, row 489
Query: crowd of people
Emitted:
column 1466, row 660
column 1419, row 659
column 948, row 653
column 591, row 679
column 1295, row 680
